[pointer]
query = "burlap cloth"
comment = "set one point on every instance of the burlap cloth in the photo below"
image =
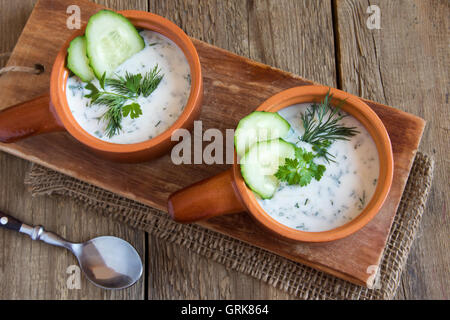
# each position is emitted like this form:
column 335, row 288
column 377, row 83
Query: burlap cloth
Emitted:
column 297, row 279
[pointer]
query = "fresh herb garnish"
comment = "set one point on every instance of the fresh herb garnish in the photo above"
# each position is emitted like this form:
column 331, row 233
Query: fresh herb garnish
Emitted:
column 321, row 149
column 122, row 90
column 113, row 117
column 322, row 127
column 151, row 81
column 132, row 109
column 301, row 169
column 102, row 80
column 128, row 85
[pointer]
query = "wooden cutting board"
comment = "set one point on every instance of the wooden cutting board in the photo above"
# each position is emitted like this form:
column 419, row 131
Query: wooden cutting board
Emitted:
column 234, row 86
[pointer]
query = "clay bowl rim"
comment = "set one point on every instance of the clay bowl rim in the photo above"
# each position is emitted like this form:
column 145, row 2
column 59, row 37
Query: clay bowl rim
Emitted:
column 144, row 20
column 363, row 113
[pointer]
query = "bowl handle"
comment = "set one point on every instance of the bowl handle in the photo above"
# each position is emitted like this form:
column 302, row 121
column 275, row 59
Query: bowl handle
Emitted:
column 206, row 199
column 28, row 119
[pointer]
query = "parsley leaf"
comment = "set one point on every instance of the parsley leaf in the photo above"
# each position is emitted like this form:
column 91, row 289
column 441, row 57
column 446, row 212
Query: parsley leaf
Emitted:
column 133, row 82
column 300, row 170
column 132, row 109
column 94, row 91
column 129, row 85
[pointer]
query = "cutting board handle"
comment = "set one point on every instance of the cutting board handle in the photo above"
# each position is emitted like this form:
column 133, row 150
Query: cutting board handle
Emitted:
column 206, row 199
column 28, row 119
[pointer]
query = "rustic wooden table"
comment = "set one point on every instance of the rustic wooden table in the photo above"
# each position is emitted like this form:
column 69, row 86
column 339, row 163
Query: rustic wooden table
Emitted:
column 404, row 63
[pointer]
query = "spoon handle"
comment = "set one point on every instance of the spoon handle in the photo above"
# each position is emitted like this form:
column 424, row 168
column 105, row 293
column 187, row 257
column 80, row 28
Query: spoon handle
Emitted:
column 9, row 222
column 35, row 232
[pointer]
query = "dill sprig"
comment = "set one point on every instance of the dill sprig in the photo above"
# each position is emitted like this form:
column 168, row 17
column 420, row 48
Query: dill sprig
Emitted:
column 322, row 127
column 151, row 81
column 113, row 117
column 321, row 150
column 121, row 90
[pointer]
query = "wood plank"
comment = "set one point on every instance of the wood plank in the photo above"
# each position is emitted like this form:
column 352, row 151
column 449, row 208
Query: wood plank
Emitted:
column 296, row 36
column 407, row 64
column 224, row 24
column 243, row 85
column 34, row 270
column 14, row 16
column 235, row 26
column 175, row 272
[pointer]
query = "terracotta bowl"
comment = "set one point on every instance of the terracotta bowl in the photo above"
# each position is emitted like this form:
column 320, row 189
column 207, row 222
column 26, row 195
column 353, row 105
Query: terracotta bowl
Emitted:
column 51, row 112
column 227, row 192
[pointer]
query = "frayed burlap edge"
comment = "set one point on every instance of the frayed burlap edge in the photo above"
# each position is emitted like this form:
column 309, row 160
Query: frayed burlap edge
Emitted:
column 294, row 278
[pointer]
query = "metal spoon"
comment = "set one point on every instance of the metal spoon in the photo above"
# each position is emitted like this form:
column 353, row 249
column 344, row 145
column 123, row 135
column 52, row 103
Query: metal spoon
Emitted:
column 108, row 262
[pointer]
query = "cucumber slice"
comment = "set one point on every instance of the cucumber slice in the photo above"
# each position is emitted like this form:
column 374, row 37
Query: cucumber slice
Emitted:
column 111, row 39
column 261, row 162
column 77, row 61
column 259, row 126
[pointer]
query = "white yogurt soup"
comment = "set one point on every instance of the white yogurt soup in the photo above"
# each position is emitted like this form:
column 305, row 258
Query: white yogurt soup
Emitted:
column 159, row 110
column 344, row 190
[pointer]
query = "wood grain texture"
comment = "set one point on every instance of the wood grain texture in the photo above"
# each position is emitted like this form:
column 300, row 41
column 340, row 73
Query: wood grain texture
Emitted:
column 296, row 36
column 13, row 15
column 234, row 86
column 407, row 64
column 197, row 277
column 31, row 269
column 226, row 25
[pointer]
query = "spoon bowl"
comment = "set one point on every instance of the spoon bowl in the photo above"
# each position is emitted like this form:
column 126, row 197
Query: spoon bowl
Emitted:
column 109, row 262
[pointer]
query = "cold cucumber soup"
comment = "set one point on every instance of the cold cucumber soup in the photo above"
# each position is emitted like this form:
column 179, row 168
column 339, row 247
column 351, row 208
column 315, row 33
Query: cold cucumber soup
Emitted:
column 327, row 174
column 341, row 194
column 159, row 110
